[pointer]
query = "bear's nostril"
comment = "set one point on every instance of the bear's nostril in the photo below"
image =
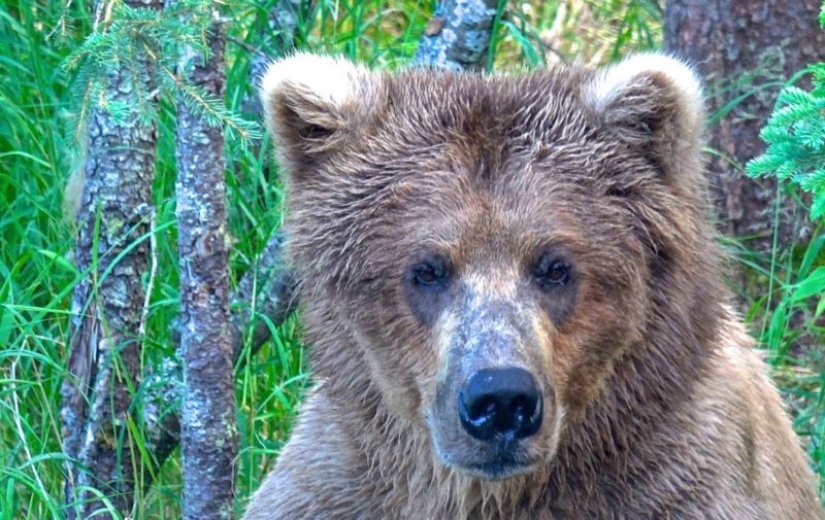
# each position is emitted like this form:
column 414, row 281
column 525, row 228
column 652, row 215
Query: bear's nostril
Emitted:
column 519, row 408
column 500, row 402
column 484, row 407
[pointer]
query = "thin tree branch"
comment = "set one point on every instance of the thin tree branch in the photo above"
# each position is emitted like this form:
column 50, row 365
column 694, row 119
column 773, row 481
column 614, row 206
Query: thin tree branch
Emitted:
column 265, row 296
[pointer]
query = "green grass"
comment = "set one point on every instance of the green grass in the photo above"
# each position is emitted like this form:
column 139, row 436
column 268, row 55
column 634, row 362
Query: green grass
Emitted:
column 35, row 277
column 38, row 154
column 787, row 320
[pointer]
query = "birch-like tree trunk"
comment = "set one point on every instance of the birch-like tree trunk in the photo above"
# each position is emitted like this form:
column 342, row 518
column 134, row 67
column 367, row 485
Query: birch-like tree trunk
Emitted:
column 746, row 49
column 209, row 427
column 458, row 35
column 269, row 289
column 107, row 306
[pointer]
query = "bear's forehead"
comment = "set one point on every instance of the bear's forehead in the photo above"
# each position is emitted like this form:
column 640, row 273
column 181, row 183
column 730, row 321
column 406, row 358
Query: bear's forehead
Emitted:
column 445, row 136
column 499, row 163
column 486, row 128
column 506, row 108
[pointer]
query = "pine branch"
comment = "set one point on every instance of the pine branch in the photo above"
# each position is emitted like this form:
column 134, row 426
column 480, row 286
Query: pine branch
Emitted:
column 795, row 135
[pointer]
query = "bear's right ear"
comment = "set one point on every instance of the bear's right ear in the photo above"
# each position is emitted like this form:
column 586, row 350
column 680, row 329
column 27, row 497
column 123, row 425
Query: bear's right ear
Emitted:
column 312, row 104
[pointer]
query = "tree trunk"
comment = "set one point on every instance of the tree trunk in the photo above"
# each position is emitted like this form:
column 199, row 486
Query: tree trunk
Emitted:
column 209, row 427
column 746, row 49
column 265, row 294
column 458, row 35
column 268, row 289
column 107, row 307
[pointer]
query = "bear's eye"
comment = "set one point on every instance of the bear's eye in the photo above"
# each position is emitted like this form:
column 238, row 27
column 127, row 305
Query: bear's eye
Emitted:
column 429, row 274
column 551, row 272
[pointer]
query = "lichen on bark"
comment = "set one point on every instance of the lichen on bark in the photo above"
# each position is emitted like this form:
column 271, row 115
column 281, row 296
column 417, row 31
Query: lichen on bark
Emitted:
column 458, row 35
column 209, row 430
column 104, row 358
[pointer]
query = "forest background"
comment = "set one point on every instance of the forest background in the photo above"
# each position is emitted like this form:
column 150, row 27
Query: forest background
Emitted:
column 135, row 178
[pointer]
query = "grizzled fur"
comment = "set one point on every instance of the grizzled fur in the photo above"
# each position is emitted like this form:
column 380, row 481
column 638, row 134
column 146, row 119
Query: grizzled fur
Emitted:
column 655, row 405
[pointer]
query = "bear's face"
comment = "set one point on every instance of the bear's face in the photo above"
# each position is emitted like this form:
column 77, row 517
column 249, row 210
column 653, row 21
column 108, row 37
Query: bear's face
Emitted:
column 492, row 245
column 521, row 313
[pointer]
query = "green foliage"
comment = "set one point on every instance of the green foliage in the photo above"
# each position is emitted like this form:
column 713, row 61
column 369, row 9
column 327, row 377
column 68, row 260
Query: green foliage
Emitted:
column 36, row 278
column 789, row 321
column 588, row 31
column 795, row 135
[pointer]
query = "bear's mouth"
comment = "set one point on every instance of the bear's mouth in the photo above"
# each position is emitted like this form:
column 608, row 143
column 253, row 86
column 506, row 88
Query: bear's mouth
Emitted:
column 504, row 463
column 497, row 459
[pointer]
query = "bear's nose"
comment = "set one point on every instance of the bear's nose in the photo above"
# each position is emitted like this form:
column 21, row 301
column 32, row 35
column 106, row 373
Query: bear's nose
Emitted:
column 500, row 402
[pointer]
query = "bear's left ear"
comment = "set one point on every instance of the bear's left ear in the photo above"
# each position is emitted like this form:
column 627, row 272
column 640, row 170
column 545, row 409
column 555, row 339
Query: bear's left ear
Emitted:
column 313, row 105
column 654, row 102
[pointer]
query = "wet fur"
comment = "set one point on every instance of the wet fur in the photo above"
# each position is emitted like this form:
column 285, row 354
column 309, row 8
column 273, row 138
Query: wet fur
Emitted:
column 667, row 410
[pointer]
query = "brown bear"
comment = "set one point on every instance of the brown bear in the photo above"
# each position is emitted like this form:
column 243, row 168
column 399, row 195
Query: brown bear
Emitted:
column 513, row 300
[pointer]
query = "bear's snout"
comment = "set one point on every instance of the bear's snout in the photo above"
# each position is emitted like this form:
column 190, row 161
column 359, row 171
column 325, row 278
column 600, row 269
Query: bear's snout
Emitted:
column 500, row 403
column 494, row 411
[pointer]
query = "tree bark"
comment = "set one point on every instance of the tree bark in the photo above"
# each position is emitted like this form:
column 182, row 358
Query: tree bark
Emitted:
column 265, row 295
column 107, row 306
column 746, row 49
column 209, row 426
column 458, row 35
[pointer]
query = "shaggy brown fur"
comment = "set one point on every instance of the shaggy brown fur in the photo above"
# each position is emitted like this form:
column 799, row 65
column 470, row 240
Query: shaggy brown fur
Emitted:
column 447, row 223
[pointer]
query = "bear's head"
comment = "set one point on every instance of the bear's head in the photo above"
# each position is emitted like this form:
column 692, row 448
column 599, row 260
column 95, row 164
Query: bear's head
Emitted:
column 492, row 249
